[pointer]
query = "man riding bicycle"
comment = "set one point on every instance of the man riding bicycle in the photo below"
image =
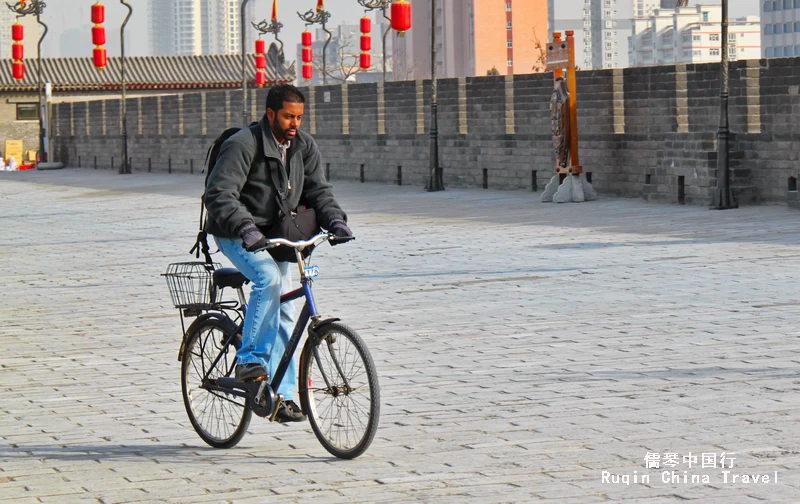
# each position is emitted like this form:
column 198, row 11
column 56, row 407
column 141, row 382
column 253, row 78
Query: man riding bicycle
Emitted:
column 241, row 200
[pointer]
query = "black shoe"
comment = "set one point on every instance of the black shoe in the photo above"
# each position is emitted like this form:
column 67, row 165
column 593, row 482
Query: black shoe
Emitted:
column 250, row 371
column 288, row 411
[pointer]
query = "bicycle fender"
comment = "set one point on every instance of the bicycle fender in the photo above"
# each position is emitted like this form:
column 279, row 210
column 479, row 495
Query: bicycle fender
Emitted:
column 221, row 318
column 313, row 328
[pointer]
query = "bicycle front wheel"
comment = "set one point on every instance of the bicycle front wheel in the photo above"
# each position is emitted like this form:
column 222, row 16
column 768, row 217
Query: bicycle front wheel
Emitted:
column 220, row 419
column 339, row 391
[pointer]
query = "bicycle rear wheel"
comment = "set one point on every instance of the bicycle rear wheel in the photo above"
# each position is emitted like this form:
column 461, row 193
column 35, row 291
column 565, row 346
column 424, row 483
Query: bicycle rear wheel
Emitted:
column 220, row 419
column 339, row 391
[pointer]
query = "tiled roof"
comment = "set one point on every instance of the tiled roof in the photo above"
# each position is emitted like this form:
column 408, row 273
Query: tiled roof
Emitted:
column 143, row 73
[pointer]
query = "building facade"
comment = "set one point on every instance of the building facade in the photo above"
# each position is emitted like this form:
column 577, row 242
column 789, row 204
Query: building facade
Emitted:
column 691, row 35
column 195, row 27
column 473, row 37
column 780, row 28
column 607, row 26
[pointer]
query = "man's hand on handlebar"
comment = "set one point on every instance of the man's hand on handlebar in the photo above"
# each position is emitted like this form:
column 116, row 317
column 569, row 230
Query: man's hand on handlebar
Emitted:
column 340, row 231
column 252, row 238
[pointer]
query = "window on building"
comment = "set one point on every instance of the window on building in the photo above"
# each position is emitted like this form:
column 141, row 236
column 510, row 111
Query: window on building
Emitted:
column 705, row 17
column 696, row 53
column 787, row 27
column 27, row 111
column 797, row 26
column 768, row 6
column 608, row 45
column 510, row 62
column 508, row 25
column 731, row 51
column 787, row 4
column 731, row 37
column 797, row 50
column 608, row 55
column 768, row 29
column 713, row 52
column 696, row 38
column 714, row 37
column 797, row 4
column 768, row 53
column 776, row 5
column 778, row 52
column 509, row 43
column 508, row 7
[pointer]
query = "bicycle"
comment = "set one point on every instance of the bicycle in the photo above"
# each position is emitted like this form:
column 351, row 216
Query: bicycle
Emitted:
column 337, row 381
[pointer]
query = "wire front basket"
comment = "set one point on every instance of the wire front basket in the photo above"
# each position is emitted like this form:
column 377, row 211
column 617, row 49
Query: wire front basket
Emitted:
column 190, row 284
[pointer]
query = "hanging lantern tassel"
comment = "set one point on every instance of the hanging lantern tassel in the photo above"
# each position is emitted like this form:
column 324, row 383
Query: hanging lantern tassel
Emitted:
column 18, row 70
column 308, row 71
column 401, row 16
column 100, row 57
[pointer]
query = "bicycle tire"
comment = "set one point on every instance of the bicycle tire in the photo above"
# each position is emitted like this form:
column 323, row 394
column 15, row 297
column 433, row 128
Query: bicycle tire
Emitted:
column 340, row 353
column 221, row 420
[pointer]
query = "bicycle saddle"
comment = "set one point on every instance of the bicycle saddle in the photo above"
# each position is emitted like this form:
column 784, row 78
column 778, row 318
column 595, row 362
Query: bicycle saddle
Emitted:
column 229, row 277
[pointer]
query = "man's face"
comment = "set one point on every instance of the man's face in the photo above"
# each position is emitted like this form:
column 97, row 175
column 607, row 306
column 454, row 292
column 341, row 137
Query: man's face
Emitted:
column 284, row 123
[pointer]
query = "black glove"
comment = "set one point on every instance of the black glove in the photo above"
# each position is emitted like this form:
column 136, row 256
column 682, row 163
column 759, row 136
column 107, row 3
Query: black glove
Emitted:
column 340, row 230
column 252, row 238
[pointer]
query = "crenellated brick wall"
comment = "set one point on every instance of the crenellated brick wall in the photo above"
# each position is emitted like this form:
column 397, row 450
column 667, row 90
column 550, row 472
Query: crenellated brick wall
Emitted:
column 645, row 132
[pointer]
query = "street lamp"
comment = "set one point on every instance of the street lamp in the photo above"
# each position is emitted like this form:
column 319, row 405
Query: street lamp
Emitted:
column 274, row 27
column 723, row 197
column 400, row 20
column 321, row 16
column 436, row 182
column 24, row 8
column 126, row 167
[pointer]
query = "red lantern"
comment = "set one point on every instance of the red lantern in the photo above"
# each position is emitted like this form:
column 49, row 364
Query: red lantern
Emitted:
column 261, row 77
column 401, row 16
column 307, row 55
column 98, row 13
column 366, row 25
column 307, row 71
column 18, row 70
column 366, row 42
column 307, row 38
column 17, row 32
column 261, row 46
column 100, row 57
column 17, row 51
column 366, row 60
column 98, row 35
column 261, row 61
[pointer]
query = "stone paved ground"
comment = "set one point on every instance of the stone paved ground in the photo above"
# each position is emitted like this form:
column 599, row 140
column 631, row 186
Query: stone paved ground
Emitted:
column 523, row 349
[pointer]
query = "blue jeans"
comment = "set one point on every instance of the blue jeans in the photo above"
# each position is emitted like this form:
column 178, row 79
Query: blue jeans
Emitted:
column 268, row 324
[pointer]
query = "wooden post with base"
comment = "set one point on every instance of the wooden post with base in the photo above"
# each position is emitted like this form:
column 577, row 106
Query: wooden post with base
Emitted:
column 569, row 182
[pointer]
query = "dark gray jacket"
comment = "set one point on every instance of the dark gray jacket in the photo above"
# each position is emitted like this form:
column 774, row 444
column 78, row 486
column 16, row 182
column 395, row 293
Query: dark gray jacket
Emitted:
column 240, row 187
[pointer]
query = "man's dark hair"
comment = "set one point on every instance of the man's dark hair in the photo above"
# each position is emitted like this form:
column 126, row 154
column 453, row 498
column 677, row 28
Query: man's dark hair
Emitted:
column 283, row 93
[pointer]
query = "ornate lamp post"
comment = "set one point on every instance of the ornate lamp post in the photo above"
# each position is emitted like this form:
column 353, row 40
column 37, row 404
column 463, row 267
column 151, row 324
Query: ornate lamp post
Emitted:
column 26, row 8
column 321, row 16
column 274, row 27
column 126, row 167
column 723, row 198
column 400, row 20
column 245, row 120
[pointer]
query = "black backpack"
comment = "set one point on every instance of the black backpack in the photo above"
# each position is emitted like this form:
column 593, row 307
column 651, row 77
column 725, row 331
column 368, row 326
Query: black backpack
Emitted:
column 208, row 167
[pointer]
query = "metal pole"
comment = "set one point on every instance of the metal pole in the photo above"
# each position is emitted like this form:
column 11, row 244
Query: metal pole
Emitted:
column 325, row 53
column 436, row 181
column 723, row 198
column 245, row 121
column 125, row 167
column 385, row 33
column 39, row 85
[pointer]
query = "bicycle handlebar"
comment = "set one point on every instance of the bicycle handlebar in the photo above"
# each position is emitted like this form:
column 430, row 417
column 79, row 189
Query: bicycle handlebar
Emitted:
column 300, row 245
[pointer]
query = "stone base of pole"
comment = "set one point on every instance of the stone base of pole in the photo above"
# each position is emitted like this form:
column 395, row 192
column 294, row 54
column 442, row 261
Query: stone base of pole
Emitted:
column 718, row 200
column 575, row 188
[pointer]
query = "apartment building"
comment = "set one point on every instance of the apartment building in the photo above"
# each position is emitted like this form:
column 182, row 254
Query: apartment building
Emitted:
column 691, row 35
column 780, row 28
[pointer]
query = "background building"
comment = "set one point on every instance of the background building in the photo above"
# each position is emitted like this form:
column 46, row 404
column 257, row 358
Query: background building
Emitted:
column 780, row 28
column 193, row 27
column 473, row 37
column 691, row 35
column 607, row 26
